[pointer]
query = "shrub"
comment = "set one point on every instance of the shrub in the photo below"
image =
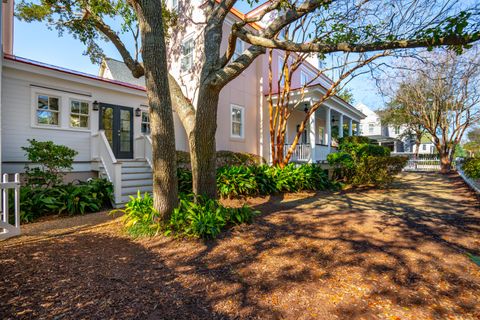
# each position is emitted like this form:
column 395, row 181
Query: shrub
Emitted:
column 139, row 216
column 359, row 162
column 237, row 181
column 184, row 180
column 50, row 161
column 471, row 167
column 223, row 158
column 70, row 199
column 203, row 218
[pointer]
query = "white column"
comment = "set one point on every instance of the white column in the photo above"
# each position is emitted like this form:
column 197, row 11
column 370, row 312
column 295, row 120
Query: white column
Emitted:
column 328, row 128
column 340, row 126
column 350, row 127
column 313, row 135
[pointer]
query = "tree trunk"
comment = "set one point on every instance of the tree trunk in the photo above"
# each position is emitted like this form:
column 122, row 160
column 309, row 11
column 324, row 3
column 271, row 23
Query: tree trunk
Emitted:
column 165, row 187
column 445, row 162
column 203, row 151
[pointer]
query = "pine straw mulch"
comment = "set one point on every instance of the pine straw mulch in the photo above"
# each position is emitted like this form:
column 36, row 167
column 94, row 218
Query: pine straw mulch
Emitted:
column 398, row 253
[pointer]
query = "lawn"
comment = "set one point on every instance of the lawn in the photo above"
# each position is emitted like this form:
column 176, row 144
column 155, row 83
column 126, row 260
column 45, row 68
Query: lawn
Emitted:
column 399, row 253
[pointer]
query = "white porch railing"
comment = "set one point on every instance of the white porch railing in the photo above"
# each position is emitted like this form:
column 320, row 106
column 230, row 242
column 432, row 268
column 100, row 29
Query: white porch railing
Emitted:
column 143, row 148
column 302, row 152
column 101, row 150
column 8, row 230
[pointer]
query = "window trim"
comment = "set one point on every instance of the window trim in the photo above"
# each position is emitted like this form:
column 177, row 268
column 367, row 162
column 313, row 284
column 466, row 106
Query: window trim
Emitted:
column 242, row 123
column 36, row 109
column 79, row 114
column 187, row 39
column 143, row 122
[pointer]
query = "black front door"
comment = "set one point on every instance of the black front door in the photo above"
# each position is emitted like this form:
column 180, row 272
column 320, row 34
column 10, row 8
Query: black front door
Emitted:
column 117, row 122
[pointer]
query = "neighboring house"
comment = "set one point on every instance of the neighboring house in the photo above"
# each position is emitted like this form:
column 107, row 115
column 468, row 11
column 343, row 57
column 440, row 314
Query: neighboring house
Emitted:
column 392, row 137
column 105, row 117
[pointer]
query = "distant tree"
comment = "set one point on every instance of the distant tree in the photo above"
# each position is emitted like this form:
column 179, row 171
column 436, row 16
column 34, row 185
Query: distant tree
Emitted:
column 472, row 146
column 347, row 95
column 442, row 96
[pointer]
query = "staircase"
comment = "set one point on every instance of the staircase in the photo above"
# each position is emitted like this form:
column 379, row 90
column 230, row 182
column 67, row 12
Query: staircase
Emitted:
column 136, row 175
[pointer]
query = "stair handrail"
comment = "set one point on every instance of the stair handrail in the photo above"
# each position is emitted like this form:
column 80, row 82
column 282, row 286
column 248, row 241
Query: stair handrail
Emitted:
column 148, row 149
column 113, row 168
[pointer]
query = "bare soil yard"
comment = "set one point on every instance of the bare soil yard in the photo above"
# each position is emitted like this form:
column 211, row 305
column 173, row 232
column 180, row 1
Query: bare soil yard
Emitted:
column 398, row 253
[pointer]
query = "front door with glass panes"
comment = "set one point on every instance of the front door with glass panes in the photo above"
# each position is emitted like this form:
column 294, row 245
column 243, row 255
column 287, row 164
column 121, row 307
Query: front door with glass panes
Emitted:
column 117, row 122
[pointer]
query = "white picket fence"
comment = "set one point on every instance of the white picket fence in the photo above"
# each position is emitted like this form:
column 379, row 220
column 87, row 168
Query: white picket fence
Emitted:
column 8, row 229
column 421, row 162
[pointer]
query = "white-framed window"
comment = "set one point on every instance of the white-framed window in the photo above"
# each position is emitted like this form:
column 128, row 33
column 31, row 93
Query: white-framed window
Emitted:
column 239, row 47
column 174, row 5
column 360, row 128
column 79, row 114
column 186, row 61
column 321, row 135
column 145, row 126
column 371, row 127
column 424, row 147
column 47, row 111
column 397, row 129
column 303, row 78
column 237, row 121
column 280, row 71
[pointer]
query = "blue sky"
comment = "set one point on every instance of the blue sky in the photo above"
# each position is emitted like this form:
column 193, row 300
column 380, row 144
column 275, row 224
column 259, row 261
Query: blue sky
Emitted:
column 35, row 41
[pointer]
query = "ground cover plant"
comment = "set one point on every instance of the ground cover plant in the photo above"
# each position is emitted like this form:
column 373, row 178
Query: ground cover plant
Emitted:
column 194, row 218
column 360, row 162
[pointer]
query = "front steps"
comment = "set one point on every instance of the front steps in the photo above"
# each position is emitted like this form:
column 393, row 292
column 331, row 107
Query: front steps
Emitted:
column 136, row 176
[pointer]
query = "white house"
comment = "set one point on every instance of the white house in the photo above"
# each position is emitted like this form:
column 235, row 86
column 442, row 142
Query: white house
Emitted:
column 391, row 137
column 105, row 117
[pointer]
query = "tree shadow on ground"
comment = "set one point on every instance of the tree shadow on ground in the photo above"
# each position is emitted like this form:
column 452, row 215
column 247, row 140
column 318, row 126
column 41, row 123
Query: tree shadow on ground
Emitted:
column 348, row 255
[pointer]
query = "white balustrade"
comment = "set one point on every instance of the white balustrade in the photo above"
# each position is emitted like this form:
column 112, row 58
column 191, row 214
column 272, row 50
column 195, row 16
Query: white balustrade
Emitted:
column 7, row 229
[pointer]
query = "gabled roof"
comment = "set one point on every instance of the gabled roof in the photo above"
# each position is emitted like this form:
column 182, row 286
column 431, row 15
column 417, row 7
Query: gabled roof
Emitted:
column 71, row 72
column 120, row 72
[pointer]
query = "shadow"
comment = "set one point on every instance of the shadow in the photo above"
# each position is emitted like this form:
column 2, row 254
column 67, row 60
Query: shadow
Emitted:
column 362, row 254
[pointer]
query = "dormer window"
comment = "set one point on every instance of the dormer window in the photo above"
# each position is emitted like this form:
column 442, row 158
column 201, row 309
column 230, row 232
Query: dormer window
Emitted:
column 303, row 78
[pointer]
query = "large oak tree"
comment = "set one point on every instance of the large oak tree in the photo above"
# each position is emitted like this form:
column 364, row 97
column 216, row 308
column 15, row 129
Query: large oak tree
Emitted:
column 338, row 26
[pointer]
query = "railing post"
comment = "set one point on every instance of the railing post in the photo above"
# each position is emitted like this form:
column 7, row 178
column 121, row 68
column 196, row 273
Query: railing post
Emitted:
column 5, row 199
column 17, row 201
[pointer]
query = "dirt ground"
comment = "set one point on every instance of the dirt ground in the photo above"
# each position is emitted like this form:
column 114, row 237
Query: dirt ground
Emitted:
column 398, row 253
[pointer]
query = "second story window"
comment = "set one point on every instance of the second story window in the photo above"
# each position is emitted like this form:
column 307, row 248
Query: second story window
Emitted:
column 303, row 78
column 79, row 114
column 187, row 54
column 237, row 120
column 397, row 130
column 48, row 111
column 145, row 123
column 371, row 127
column 238, row 49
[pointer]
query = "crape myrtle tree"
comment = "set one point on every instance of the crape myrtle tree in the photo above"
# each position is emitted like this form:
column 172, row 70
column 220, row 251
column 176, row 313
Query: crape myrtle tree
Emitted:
column 441, row 94
column 338, row 26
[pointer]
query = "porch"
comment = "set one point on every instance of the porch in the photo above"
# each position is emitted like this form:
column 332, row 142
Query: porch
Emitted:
column 320, row 138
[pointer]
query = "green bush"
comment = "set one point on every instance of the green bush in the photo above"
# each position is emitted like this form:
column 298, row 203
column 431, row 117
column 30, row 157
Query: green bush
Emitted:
column 139, row 216
column 70, row 199
column 237, row 181
column 471, row 167
column 184, row 180
column 203, row 218
column 49, row 163
column 359, row 162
